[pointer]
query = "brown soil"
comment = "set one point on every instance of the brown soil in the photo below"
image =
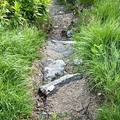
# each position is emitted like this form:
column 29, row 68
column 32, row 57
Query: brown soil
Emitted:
column 74, row 98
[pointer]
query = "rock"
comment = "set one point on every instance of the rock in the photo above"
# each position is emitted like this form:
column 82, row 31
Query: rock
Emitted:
column 56, row 27
column 78, row 61
column 50, row 87
column 64, row 42
column 61, row 12
column 61, row 47
column 53, row 69
column 99, row 94
column 69, row 33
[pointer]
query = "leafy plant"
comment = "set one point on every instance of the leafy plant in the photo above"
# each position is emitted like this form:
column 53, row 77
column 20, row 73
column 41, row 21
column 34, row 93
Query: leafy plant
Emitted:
column 18, row 12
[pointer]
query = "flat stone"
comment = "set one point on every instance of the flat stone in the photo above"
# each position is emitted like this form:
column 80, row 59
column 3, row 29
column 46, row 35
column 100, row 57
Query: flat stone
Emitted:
column 61, row 47
column 64, row 42
column 53, row 69
column 48, row 88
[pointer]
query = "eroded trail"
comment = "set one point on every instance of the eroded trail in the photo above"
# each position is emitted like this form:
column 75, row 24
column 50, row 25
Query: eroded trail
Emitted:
column 57, row 93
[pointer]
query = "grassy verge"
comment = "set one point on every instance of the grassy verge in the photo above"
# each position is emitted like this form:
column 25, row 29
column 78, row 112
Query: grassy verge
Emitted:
column 18, row 48
column 98, row 44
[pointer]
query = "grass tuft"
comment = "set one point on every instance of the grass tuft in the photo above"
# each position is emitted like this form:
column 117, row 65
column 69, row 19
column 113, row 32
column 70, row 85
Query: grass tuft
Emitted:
column 17, row 51
column 98, row 44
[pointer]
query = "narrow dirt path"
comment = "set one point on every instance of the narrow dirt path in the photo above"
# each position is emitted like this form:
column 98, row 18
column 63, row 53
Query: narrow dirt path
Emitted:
column 73, row 97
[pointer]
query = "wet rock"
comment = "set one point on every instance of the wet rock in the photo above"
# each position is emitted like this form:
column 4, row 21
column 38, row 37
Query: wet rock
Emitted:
column 48, row 88
column 53, row 69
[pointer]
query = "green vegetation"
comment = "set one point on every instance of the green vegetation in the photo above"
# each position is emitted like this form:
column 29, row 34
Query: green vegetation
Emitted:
column 17, row 51
column 19, row 12
column 98, row 43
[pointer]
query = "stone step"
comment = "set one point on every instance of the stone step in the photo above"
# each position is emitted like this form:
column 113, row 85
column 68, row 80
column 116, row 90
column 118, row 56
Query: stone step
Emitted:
column 54, row 85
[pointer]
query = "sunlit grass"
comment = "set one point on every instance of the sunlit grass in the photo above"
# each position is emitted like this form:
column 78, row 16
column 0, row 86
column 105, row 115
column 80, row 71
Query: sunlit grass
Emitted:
column 98, row 44
column 18, row 48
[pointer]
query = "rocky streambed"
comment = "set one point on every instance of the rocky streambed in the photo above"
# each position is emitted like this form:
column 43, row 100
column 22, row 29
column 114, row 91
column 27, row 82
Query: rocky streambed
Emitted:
column 60, row 89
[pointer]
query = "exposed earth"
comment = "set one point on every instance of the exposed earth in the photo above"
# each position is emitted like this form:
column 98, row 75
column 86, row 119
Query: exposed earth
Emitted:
column 72, row 98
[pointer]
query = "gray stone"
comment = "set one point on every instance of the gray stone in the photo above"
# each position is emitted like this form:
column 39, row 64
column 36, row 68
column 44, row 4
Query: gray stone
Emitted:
column 78, row 61
column 64, row 48
column 53, row 69
column 61, row 12
column 50, row 87
column 69, row 33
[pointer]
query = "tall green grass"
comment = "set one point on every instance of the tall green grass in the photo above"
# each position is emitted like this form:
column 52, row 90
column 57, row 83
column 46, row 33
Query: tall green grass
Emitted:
column 18, row 48
column 98, row 44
